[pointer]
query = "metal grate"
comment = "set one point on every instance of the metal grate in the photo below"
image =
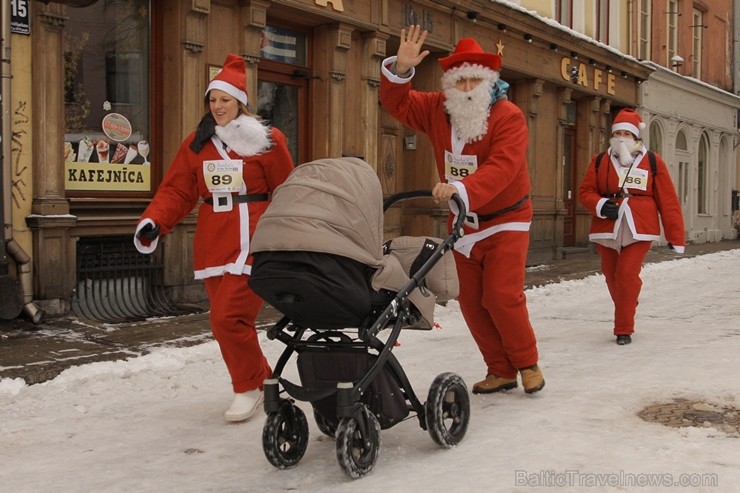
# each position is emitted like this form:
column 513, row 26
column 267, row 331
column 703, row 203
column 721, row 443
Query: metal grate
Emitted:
column 116, row 283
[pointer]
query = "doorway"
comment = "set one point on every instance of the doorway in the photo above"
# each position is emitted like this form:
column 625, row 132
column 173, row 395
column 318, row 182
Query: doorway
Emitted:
column 282, row 102
column 569, row 180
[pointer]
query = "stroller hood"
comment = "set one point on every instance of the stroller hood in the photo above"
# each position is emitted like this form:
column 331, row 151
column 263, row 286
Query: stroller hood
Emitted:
column 335, row 206
column 328, row 205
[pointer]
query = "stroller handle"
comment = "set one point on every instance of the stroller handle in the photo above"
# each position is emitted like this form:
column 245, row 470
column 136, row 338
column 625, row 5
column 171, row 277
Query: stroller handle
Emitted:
column 413, row 194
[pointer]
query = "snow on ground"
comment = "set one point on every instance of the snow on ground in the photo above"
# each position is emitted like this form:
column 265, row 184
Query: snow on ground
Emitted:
column 155, row 423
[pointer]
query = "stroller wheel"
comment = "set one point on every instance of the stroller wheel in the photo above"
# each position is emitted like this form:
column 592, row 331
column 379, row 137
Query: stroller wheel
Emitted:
column 326, row 426
column 358, row 443
column 285, row 436
column 447, row 410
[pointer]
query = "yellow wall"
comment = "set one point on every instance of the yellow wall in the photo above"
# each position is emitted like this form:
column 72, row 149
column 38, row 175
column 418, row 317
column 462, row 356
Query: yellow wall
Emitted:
column 21, row 126
column 545, row 8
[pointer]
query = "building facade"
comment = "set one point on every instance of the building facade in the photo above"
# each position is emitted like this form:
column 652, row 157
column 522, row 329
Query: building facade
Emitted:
column 689, row 101
column 103, row 92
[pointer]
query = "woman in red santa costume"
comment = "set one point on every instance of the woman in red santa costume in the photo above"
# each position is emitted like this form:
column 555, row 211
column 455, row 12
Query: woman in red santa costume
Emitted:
column 629, row 192
column 480, row 142
column 233, row 161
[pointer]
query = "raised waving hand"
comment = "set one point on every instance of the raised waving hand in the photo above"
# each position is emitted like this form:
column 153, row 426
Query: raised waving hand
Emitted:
column 409, row 51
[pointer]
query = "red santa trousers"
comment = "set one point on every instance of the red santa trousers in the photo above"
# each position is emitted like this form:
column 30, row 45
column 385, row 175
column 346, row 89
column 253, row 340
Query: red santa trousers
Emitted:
column 493, row 303
column 234, row 309
column 622, row 273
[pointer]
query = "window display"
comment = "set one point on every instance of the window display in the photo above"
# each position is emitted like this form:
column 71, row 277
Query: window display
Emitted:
column 106, row 97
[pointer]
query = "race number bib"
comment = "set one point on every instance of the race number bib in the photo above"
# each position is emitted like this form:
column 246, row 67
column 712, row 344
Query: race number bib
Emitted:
column 223, row 175
column 458, row 167
column 633, row 178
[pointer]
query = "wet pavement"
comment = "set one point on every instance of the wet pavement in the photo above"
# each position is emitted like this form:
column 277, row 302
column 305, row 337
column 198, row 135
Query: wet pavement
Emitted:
column 37, row 353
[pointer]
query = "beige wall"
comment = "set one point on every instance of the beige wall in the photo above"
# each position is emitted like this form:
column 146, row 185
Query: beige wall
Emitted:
column 21, row 158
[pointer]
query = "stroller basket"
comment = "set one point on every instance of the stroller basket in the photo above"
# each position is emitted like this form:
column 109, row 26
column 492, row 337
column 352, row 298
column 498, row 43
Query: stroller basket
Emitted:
column 324, row 369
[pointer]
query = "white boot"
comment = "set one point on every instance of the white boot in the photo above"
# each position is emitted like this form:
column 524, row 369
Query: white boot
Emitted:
column 244, row 405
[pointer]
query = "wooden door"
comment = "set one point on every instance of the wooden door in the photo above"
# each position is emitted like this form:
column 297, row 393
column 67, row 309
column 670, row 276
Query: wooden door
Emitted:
column 569, row 182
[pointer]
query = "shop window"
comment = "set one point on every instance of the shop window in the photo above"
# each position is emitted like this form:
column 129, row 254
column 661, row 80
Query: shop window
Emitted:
column 106, row 97
column 121, row 69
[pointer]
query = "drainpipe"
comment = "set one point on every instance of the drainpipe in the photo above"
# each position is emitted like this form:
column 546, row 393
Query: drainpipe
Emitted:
column 9, row 244
column 736, row 48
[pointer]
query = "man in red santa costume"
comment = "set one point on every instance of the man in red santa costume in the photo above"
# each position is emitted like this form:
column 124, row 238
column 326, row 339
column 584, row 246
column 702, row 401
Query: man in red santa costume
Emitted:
column 233, row 161
column 629, row 197
column 480, row 143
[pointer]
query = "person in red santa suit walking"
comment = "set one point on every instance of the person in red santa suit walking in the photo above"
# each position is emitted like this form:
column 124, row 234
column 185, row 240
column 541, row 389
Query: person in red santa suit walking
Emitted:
column 480, row 142
column 233, row 161
column 629, row 192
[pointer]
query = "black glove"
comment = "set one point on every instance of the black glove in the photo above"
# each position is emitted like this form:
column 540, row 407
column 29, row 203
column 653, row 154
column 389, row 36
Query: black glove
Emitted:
column 149, row 231
column 610, row 209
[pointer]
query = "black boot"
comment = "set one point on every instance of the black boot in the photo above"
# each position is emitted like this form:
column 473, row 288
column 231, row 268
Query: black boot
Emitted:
column 623, row 339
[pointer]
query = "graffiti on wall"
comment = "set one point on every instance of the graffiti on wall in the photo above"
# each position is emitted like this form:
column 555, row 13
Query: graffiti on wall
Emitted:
column 20, row 123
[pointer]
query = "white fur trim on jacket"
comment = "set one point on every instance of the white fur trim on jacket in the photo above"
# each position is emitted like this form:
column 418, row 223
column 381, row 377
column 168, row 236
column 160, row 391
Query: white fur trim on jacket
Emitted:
column 245, row 135
column 137, row 242
column 388, row 67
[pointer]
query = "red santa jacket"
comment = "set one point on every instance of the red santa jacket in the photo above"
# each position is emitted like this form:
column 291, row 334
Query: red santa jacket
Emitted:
column 221, row 241
column 502, row 178
column 640, row 205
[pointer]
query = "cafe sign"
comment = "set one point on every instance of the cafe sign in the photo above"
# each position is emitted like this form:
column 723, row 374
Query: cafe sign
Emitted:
column 107, row 177
column 588, row 76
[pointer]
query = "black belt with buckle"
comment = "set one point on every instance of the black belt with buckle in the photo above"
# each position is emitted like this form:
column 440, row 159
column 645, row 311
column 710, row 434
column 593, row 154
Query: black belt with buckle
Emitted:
column 241, row 199
column 619, row 195
column 488, row 217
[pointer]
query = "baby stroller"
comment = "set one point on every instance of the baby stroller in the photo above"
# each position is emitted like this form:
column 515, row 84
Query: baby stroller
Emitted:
column 319, row 258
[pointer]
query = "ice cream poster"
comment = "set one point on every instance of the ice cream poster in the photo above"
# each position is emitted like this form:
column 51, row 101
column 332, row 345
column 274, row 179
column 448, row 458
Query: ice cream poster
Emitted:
column 108, row 162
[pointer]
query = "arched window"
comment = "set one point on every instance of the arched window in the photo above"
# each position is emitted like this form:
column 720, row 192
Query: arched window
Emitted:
column 656, row 138
column 702, row 176
column 681, row 141
column 683, row 158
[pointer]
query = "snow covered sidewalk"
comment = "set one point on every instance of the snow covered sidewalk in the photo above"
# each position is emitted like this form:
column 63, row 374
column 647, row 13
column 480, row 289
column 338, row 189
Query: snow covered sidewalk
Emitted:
column 155, row 423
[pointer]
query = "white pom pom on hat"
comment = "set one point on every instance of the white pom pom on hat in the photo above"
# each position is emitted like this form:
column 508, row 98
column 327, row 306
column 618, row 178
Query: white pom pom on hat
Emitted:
column 629, row 120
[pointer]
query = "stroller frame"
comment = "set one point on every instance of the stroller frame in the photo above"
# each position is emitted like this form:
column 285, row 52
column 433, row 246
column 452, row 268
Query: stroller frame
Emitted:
column 445, row 414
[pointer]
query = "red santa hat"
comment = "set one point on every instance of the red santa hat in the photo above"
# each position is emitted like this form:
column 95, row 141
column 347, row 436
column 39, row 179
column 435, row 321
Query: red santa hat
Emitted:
column 468, row 50
column 231, row 79
column 629, row 120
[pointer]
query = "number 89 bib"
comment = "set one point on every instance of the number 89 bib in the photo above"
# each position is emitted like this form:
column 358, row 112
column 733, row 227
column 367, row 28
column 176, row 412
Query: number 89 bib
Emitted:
column 223, row 175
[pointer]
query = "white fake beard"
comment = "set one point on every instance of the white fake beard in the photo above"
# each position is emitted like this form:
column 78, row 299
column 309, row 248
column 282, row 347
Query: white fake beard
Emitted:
column 624, row 148
column 245, row 135
column 469, row 111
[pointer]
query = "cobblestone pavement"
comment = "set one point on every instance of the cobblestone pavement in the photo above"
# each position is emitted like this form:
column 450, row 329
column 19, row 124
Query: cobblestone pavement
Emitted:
column 37, row 353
